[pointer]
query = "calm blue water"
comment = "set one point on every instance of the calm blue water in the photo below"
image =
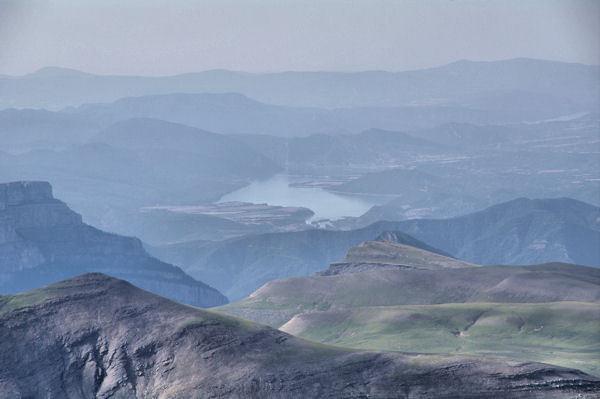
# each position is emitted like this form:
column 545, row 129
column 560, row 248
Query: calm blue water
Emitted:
column 325, row 205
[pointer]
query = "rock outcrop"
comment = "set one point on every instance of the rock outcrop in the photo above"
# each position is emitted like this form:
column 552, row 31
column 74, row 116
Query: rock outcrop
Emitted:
column 98, row 337
column 42, row 240
column 386, row 254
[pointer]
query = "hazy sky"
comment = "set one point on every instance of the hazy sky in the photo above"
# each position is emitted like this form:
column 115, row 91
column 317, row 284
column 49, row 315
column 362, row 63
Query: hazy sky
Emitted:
column 153, row 37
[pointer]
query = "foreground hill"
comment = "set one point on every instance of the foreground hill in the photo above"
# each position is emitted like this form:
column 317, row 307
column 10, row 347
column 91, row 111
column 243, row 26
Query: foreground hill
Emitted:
column 126, row 343
column 546, row 313
column 278, row 301
column 42, row 240
column 561, row 333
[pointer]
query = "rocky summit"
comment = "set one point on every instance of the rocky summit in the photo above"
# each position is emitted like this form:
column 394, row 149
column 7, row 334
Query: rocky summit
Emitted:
column 95, row 336
column 383, row 254
column 42, row 241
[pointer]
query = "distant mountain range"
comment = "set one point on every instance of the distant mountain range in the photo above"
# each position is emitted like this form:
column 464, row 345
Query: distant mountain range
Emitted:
column 213, row 111
column 521, row 231
column 37, row 129
column 473, row 183
column 521, row 84
column 368, row 149
column 424, row 295
column 103, row 337
column 442, row 171
column 137, row 163
column 43, row 241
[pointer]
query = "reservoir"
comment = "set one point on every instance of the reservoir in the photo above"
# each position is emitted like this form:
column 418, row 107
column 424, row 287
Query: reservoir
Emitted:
column 277, row 191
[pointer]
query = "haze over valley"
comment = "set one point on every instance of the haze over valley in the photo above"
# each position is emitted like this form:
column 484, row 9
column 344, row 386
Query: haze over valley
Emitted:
column 396, row 200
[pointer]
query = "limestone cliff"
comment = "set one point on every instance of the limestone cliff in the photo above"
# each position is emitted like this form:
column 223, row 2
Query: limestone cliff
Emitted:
column 42, row 241
column 393, row 251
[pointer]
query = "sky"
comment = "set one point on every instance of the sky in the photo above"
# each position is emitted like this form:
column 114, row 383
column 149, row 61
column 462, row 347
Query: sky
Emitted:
column 159, row 37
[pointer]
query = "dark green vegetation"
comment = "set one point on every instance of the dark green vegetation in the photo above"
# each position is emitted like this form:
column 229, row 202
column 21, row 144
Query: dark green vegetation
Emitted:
column 96, row 336
column 42, row 240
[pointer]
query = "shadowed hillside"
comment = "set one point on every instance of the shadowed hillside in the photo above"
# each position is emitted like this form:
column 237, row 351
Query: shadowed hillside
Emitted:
column 183, row 352
column 42, row 240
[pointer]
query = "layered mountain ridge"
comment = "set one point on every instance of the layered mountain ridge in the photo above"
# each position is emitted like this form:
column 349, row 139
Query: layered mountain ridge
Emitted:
column 556, row 84
column 519, row 232
column 42, row 240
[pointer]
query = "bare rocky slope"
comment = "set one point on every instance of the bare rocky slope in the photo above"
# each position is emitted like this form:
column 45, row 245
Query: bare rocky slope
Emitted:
column 386, row 254
column 94, row 336
column 42, row 241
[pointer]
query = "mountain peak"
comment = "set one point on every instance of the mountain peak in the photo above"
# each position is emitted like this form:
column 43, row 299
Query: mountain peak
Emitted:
column 114, row 340
column 54, row 72
column 389, row 255
column 22, row 192
column 43, row 240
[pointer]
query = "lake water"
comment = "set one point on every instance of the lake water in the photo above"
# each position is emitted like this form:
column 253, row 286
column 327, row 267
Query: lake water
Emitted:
column 325, row 205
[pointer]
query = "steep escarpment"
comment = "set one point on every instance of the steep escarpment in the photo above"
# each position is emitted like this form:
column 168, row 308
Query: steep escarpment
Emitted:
column 241, row 265
column 42, row 240
column 103, row 338
column 384, row 254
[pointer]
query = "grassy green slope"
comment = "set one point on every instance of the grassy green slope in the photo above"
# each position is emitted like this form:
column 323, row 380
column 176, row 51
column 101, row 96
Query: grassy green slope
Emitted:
column 278, row 301
column 561, row 333
column 548, row 313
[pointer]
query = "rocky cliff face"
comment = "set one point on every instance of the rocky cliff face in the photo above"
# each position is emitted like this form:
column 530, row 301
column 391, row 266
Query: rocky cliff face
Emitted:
column 98, row 337
column 42, row 241
column 391, row 255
